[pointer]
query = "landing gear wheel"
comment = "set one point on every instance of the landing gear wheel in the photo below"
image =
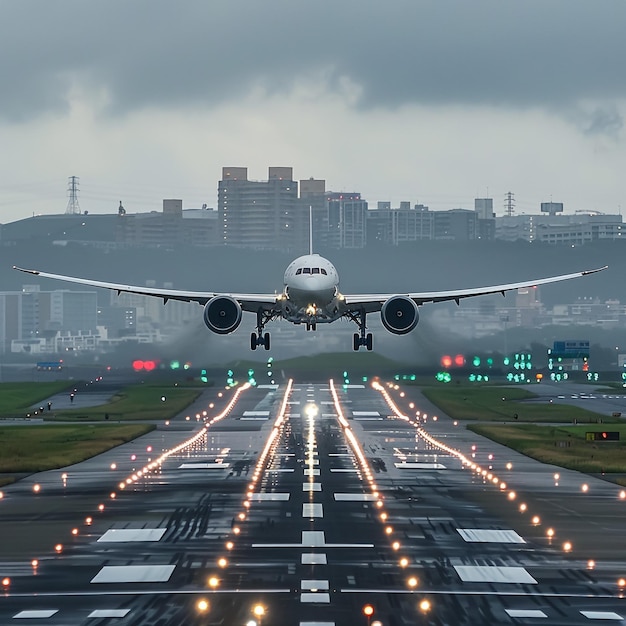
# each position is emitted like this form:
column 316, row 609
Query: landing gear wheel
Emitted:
column 369, row 341
column 356, row 342
column 314, row 326
column 266, row 341
column 253, row 341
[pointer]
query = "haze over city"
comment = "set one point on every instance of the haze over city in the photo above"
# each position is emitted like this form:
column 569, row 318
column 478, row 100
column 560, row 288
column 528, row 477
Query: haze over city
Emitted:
column 428, row 102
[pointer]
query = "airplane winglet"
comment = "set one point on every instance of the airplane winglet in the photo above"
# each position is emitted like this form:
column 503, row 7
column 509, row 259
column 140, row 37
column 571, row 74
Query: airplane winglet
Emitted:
column 21, row 269
column 599, row 269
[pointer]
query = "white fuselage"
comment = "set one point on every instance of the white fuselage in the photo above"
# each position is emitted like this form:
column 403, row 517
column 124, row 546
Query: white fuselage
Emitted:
column 311, row 290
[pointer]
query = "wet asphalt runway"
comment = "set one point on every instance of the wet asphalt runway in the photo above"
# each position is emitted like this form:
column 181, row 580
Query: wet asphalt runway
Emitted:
column 319, row 502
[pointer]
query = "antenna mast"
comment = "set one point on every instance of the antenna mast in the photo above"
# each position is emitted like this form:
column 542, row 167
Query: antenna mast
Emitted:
column 509, row 204
column 73, row 208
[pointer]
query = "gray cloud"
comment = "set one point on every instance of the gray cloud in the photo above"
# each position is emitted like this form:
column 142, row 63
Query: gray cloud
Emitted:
column 160, row 54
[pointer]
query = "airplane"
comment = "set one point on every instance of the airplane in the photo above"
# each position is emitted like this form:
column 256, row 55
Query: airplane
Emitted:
column 311, row 296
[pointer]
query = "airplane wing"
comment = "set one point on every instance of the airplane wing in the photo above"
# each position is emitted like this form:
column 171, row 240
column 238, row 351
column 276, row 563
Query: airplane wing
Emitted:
column 248, row 302
column 373, row 302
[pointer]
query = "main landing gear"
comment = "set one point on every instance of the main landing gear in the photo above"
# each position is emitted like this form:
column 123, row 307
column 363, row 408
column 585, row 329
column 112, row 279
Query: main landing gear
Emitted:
column 361, row 338
column 260, row 338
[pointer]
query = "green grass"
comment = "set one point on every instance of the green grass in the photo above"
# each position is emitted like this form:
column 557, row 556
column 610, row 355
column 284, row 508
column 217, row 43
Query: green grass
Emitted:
column 40, row 448
column 491, row 403
column 137, row 402
column 563, row 446
column 18, row 397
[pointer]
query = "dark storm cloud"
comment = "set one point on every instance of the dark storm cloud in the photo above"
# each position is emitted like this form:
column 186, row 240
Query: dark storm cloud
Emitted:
column 163, row 54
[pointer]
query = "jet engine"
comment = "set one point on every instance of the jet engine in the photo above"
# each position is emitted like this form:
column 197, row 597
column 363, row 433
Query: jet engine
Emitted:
column 399, row 315
column 222, row 314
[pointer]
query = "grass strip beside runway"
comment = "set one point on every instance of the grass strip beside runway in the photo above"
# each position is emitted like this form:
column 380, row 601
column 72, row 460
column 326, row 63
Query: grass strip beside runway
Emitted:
column 39, row 448
column 563, row 446
column 137, row 402
column 17, row 398
column 504, row 404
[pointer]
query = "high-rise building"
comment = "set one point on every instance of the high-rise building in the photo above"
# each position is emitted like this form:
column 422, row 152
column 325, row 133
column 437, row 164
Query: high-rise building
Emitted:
column 260, row 214
column 346, row 220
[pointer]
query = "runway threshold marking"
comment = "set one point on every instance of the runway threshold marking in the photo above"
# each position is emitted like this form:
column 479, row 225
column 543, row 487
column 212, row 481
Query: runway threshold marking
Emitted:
column 130, row 535
column 494, row 574
column 601, row 615
column 36, row 614
column 134, row 574
column 479, row 535
column 109, row 613
column 527, row 613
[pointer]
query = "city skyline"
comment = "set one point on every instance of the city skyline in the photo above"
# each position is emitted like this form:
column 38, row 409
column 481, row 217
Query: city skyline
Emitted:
column 414, row 101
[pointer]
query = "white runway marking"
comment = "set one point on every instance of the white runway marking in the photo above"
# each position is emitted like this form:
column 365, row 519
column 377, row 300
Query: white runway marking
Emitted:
column 354, row 386
column 109, row 613
column 313, row 558
column 479, row 535
column 525, row 613
column 134, row 574
column 204, row 466
column 365, row 413
column 493, row 574
column 315, row 597
column 343, row 470
column 420, row 466
column 313, row 538
column 311, row 486
column 314, row 585
column 41, row 614
column 312, row 510
column 124, row 535
column 267, row 386
column 329, row 414
column 280, row 469
column 311, row 472
column 269, row 497
column 256, row 413
column 601, row 615
column 317, row 623
column 355, row 497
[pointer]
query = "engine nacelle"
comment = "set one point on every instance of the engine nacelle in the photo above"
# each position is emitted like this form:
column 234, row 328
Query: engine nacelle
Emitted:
column 399, row 315
column 222, row 314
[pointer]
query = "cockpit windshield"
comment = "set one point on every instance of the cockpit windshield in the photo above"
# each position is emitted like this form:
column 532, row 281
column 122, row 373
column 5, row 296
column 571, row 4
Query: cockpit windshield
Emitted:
column 311, row 270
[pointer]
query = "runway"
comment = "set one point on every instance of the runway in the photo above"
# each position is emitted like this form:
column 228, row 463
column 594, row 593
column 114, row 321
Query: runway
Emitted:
column 302, row 505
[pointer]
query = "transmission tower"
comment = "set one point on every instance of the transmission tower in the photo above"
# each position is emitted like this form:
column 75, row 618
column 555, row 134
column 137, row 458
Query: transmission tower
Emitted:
column 509, row 203
column 73, row 208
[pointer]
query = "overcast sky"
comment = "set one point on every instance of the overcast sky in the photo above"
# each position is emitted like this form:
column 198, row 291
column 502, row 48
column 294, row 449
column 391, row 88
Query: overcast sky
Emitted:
column 435, row 102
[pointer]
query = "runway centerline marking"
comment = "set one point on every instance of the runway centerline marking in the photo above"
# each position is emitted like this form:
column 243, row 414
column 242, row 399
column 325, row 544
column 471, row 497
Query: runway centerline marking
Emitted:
column 311, row 486
column 312, row 510
column 314, row 558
